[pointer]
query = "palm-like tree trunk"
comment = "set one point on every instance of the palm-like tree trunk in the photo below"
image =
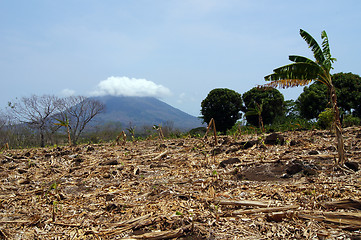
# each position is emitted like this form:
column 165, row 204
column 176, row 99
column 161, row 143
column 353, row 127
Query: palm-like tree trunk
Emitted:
column 338, row 128
column 69, row 137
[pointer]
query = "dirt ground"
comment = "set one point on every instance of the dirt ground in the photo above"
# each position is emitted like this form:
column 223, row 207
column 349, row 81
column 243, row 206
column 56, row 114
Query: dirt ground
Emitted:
column 239, row 188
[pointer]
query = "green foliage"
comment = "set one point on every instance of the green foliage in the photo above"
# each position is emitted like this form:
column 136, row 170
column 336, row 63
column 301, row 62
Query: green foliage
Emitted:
column 64, row 123
column 349, row 121
column 271, row 100
column 178, row 213
column 224, row 106
column 131, row 130
column 288, row 124
column 348, row 89
column 292, row 110
column 314, row 99
column 257, row 111
column 325, row 119
column 197, row 132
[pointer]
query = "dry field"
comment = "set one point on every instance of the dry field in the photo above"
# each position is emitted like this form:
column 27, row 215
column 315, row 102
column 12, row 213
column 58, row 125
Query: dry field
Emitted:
column 183, row 189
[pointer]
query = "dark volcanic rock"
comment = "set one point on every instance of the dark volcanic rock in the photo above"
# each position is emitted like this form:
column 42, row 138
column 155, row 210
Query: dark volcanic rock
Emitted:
column 248, row 144
column 294, row 168
column 313, row 152
column 110, row 162
column 309, row 172
column 275, row 138
column 229, row 161
column 294, row 142
column 352, row 165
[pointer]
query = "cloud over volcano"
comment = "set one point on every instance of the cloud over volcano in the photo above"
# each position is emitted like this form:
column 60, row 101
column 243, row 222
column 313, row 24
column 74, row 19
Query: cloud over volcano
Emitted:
column 125, row 86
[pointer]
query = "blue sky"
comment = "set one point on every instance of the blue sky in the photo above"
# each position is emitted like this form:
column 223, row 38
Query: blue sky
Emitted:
column 176, row 50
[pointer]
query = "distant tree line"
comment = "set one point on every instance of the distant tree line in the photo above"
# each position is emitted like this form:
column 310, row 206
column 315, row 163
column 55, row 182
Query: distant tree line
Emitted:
column 38, row 120
column 266, row 105
column 48, row 120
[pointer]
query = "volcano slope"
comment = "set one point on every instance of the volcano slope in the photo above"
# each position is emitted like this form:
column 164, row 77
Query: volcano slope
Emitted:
column 239, row 188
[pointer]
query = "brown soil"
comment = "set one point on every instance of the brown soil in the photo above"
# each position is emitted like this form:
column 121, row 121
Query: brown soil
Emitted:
column 185, row 189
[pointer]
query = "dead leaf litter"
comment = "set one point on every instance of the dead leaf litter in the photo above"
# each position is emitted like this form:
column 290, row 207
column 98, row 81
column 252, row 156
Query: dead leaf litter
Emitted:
column 241, row 188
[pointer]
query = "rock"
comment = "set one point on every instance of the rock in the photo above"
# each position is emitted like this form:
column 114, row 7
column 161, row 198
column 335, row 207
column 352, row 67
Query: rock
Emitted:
column 352, row 165
column 309, row 172
column 226, row 140
column 275, row 138
column 229, row 161
column 293, row 142
column 21, row 171
column 313, row 152
column 110, row 207
column 110, row 162
column 294, row 168
column 248, row 144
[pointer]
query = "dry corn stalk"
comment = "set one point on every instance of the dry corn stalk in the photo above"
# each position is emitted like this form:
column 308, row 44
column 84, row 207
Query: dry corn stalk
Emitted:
column 121, row 139
column 5, row 147
column 212, row 124
column 159, row 130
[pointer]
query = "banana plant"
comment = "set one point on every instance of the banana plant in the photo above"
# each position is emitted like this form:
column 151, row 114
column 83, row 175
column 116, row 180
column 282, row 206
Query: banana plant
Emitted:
column 304, row 71
column 64, row 123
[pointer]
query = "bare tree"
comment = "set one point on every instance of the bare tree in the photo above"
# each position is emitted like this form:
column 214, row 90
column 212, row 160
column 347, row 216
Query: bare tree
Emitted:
column 3, row 121
column 3, row 133
column 79, row 111
column 36, row 111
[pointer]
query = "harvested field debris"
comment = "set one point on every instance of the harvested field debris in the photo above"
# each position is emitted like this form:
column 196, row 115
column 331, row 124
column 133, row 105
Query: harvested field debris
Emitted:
column 187, row 188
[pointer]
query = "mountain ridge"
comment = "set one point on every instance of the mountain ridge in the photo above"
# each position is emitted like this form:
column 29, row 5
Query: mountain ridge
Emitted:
column 144, row 111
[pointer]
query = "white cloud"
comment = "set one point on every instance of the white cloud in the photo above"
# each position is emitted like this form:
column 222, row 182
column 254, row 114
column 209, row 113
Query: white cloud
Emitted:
column 67, row 92
column 124, row 86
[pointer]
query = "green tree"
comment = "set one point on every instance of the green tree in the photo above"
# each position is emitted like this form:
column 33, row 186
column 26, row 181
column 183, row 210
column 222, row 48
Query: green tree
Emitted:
column 224, row 106
column 325, row 119
column 303, row 71
column 272, row 102
column 314, row 99
column 348, row 89
column 292, row 110
column 257, row 111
